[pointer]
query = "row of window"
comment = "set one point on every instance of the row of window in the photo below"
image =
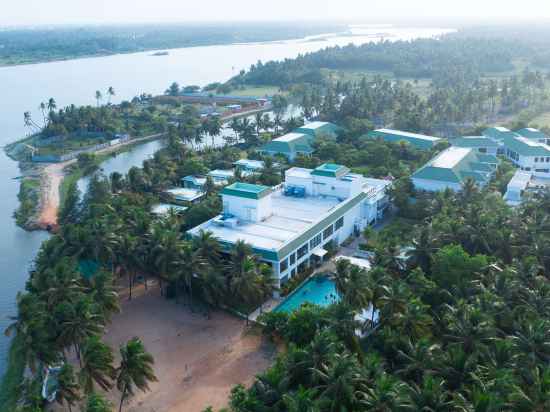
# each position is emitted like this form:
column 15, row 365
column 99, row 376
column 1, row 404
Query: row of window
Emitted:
column 312, row 244
column 541, row 159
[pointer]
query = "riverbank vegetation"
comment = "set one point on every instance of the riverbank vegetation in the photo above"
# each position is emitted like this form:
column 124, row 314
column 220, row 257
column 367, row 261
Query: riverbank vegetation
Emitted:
column 24, row 46
column 29, row 199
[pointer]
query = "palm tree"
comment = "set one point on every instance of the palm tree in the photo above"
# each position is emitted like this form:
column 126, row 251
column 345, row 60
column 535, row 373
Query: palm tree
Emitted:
column 303, row 400
column 339, row 382
column 97, row 365
column 42, row 108
column 187, row 267
column 351, row 284
column 386, row 394
column 104, row 295
column 97, row 403
column 110, row 93
column 430, row 396
column 208, row 248
column 67, row 387
column 52, row 105
column 135, row 370
column 98, row 97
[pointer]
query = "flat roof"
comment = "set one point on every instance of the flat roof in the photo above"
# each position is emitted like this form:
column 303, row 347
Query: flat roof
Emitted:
column 291, row 217
column 520, row 180
column 299, row 172
column 186, row 194
column 409, row 134
column 249, row 162
column 330, row 170
column 450, row 157
column 164, row 208
column 221, row 173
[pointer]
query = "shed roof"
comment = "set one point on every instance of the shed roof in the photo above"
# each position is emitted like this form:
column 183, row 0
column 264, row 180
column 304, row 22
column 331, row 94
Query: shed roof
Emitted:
column 474, row 142
column 532, row 133
column 289, row 143
column 315, row 129
column 330, row 170
column 419, row 141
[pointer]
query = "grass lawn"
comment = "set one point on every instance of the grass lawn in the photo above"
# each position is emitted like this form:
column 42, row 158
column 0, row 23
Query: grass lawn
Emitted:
column 542, row 120
column 257, row 91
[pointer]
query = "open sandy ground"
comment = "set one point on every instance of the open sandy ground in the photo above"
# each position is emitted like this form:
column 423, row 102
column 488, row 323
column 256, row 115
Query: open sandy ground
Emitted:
column 197, row 360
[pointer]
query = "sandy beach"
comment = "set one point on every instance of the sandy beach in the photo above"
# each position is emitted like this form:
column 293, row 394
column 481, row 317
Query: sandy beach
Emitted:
column 197, row 360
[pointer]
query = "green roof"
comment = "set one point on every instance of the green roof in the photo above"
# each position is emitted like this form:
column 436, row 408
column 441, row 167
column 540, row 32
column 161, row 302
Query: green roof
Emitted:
column 290, row 143
column 498, row 132
column 526, row 147
column 246, row 190
column 330, row 170
column 419, row 141
column 456, row 164
column 316, row 129
column 474, row 142
column 531, row 133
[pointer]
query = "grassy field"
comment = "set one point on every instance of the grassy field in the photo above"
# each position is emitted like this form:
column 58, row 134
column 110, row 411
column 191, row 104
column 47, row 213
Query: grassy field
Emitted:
column 257, row 91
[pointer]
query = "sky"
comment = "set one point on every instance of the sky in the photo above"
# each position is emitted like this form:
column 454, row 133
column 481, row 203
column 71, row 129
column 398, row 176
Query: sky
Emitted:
column 39, row 12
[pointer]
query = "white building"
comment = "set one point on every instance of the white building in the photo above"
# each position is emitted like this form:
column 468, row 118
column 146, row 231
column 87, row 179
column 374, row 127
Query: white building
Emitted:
column 291, row 224
column 528, row 155
column 450, row 168
column 522, row 184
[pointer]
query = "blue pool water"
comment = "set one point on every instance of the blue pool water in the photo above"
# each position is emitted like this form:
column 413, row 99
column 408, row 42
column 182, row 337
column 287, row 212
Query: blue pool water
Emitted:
column 317, row 290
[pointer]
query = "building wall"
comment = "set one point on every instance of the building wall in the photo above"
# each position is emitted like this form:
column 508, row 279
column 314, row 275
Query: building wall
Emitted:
column 540, row 167
column 251, row 210
column 435, row 185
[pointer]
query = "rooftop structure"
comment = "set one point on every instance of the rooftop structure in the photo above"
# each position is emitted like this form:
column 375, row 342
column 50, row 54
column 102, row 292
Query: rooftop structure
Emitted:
column 221, row 175
column 186, row 195
column 288, row 224
column 249, row 165
column 416, row 140
column 525, row 146
column 452, row 167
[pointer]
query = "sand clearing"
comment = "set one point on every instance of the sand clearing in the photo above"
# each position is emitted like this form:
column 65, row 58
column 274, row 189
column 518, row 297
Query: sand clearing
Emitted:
column 197, row 360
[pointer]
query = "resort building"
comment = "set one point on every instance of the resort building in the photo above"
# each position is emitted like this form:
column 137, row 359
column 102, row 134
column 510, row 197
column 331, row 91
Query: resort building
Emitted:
column 291, row 225
column 219, row 177
column 290, row 145
column 450, row 168
column 318, row 129
column 418, row 141
column 480, row 144
column 162, row 209
column 299, row 141
column 523, row 184
column 247, row 166
column 528, row 155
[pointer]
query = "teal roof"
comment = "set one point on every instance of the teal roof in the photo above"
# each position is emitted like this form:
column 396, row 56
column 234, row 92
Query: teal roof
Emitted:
column 474, row 142
column 486, row 158
column 456, row 164
column 330, row 170
column 498, row 132
column 291, row 143
column 534, row 134
column 526, row 147
column 316, row 129
column 88, row 268
column 419, row 141
column 246, row 190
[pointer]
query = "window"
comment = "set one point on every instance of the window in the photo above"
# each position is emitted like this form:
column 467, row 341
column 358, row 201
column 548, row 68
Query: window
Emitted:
column 328, row 231
column 316, row 241
column 284, row 279
column 302, row 251
column 547, row 159
column 292, row 259
column 536, row 159
column 482, row 150
column 283, row 265
column 339, row 223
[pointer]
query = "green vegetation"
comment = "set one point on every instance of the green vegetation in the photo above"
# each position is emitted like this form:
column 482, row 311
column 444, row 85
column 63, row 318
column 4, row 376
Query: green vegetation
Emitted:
column 29, row 199
column 23, row 46
column 10, row 388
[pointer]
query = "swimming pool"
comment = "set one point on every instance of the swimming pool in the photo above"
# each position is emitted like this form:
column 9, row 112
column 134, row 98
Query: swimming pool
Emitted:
column 318, row 290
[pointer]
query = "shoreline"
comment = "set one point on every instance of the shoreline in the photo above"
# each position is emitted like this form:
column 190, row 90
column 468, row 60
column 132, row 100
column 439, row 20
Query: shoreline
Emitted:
column 51, row 178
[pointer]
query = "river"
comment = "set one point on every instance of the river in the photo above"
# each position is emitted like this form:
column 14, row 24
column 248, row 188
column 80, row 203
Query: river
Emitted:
column 75, row 82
